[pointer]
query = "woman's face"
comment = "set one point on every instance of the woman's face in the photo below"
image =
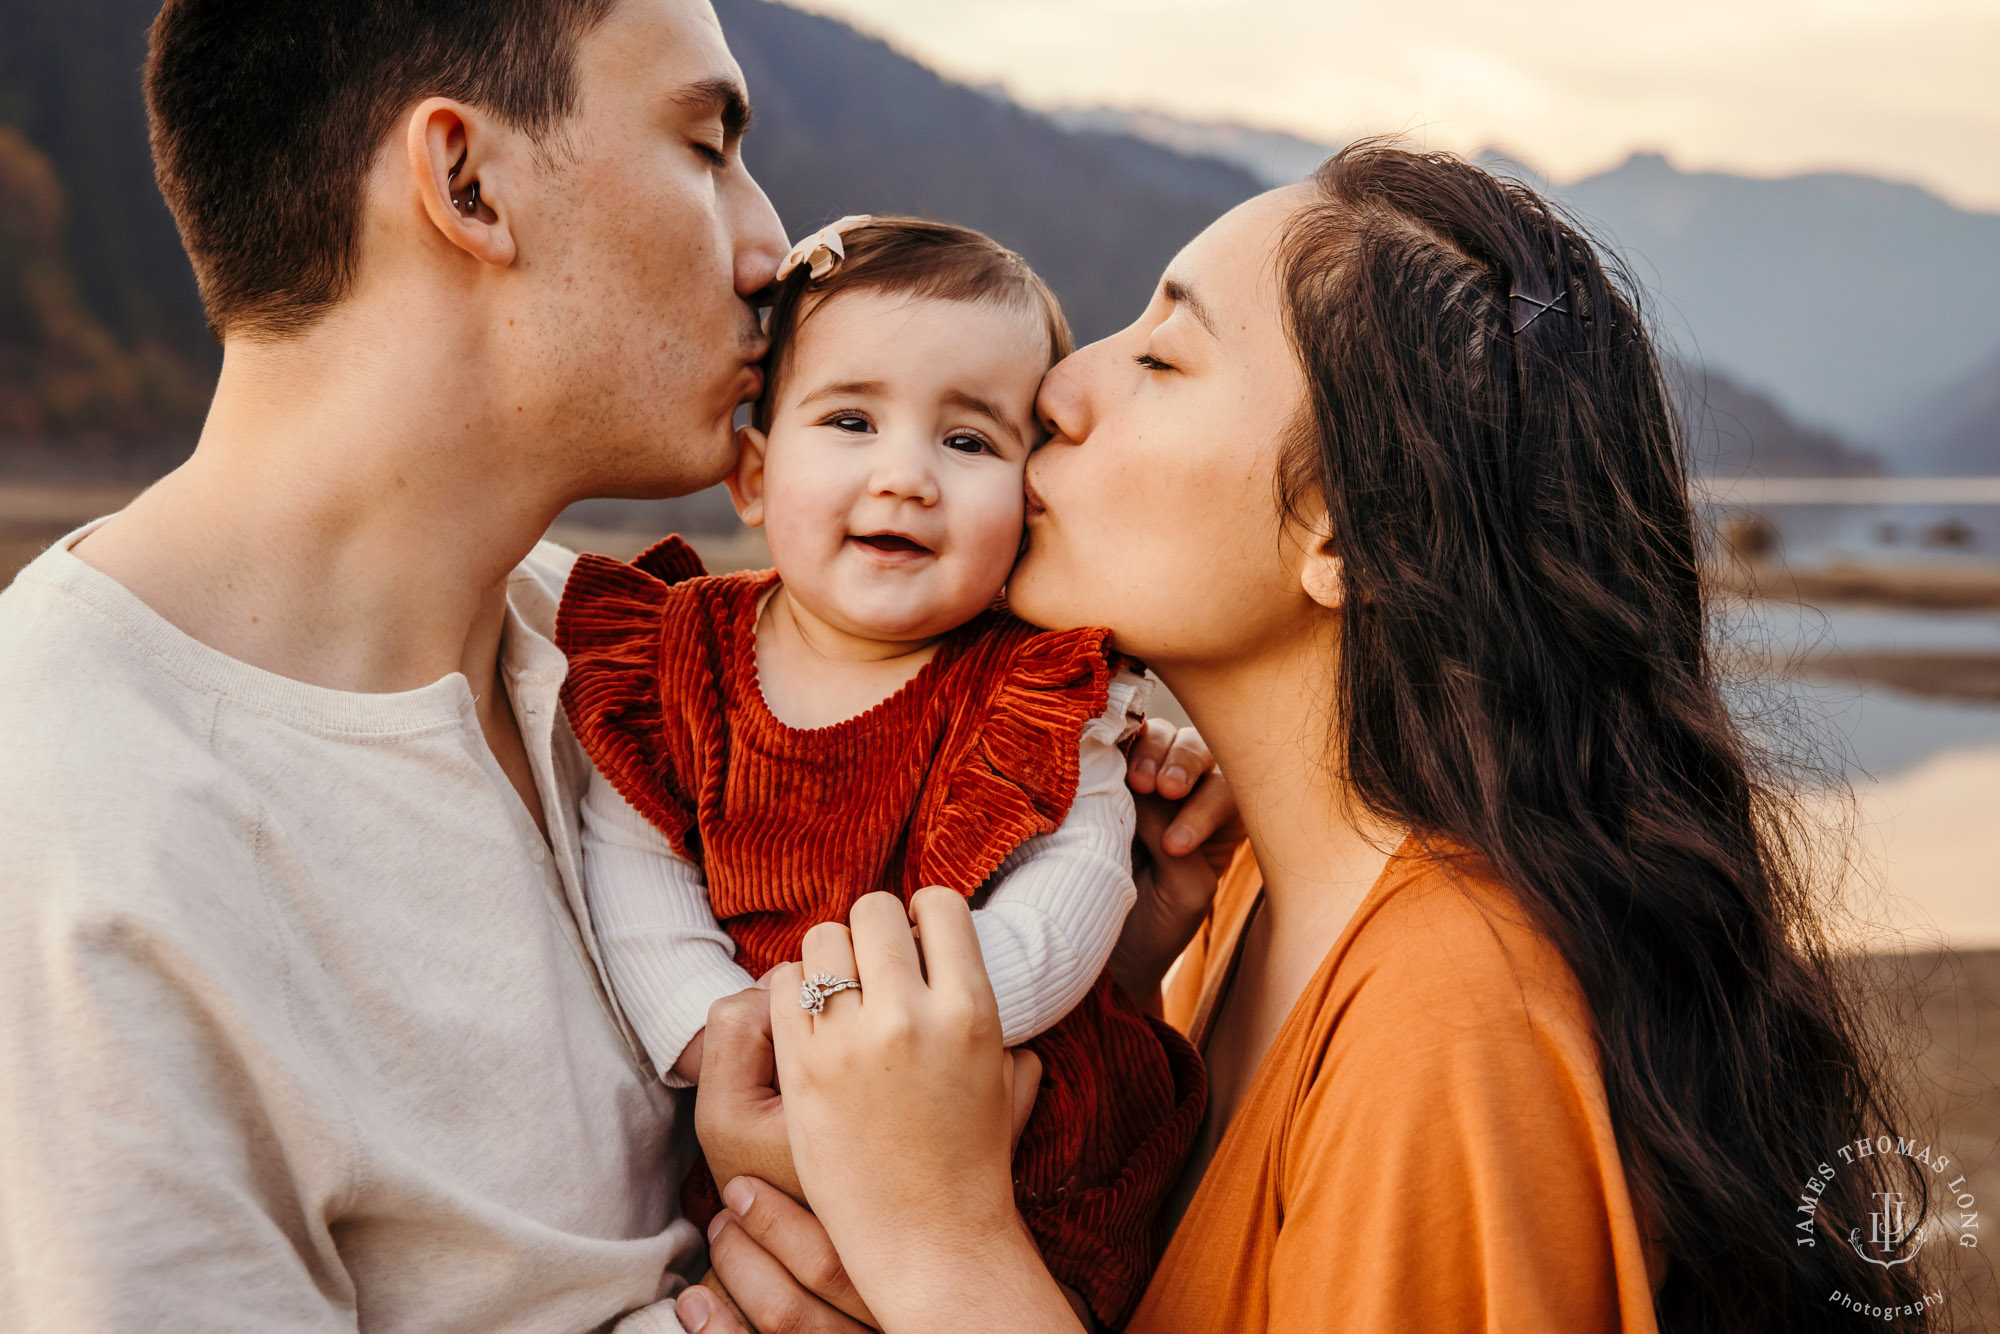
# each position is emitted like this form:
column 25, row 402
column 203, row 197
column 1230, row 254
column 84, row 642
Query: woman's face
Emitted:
column 1153, row 507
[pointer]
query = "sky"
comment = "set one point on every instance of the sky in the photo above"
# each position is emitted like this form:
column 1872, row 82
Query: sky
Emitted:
column 1896, row 88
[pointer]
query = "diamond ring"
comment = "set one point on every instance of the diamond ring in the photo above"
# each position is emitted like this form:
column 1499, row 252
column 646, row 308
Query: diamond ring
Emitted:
column 815, row 989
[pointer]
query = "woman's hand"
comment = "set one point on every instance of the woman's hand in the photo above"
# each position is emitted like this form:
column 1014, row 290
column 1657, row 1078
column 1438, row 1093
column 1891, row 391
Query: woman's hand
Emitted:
column 900, row 1103
column 1188, row 832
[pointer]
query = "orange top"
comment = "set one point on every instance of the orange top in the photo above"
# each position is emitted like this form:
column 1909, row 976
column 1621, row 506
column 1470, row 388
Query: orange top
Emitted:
column 1426, row 1146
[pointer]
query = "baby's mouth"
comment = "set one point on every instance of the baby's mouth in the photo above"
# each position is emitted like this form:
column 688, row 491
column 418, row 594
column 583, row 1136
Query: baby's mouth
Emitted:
column 892, row 544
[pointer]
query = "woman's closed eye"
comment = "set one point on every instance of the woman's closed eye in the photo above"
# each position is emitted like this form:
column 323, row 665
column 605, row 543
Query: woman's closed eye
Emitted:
column 1151, row 362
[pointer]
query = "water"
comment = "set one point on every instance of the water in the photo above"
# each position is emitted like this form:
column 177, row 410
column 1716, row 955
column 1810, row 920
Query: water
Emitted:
column 1867, row 731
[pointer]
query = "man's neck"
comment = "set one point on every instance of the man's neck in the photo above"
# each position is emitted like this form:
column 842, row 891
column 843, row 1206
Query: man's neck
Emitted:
column 349, row 518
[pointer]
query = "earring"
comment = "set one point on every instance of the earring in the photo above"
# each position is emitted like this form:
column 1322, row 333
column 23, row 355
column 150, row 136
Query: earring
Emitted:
column 471, row 202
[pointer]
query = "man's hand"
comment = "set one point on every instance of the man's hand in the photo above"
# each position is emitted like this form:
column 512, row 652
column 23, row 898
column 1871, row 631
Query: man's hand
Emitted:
column 778, row 1265
column 739, row 1116
column 1188, row 832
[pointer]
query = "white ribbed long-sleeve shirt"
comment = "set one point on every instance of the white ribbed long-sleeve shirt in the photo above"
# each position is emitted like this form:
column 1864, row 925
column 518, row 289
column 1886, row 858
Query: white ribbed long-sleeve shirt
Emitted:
column 1046, row 927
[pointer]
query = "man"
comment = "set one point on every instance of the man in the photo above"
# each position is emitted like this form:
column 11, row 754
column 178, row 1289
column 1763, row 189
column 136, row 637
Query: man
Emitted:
column 302, row 1023
column 301, row 1029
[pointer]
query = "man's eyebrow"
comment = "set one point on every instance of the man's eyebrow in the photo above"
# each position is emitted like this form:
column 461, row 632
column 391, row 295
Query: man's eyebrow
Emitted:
column 958, row 398
column 723, row 97
column 1181, row 295
column 845, row 389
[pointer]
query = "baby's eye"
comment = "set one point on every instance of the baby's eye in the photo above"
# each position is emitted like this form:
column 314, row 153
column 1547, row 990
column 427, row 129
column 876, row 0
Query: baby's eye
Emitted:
column 966, row 443
column 852, row 422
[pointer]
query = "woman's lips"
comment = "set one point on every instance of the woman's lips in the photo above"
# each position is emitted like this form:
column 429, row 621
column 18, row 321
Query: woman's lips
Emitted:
column 1035, row 506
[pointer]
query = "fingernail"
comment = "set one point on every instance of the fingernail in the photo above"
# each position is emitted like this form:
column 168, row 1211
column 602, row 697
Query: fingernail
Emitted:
column 1145, row 771
column 715, row 1224
column 739, row 1195
column 694, row 1309
column 1174, row 774
column 1178, row 841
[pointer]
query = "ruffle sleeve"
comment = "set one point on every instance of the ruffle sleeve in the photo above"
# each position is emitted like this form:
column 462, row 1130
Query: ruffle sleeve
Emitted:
column 1010, row 769
column 614, row 627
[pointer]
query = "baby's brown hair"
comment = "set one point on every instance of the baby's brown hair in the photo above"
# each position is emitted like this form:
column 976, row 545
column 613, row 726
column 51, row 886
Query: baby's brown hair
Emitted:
column 916, row 257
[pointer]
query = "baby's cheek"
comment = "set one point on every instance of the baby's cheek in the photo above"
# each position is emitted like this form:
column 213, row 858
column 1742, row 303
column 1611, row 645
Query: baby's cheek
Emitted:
column 995, row 539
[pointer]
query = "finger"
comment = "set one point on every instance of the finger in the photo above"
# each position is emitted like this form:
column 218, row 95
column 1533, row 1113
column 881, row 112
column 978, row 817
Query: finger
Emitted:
column 1186, row 761
column 1024, row 1086
column 1148, row 751
column 1174, row 886
column 703, row 1312
column 885, row 953
column 736, row 1045
column 829, row 951
column 792, row 1236
column 1210, row 810
column 952, row 960
column 788, row 1022
column 764, row 1289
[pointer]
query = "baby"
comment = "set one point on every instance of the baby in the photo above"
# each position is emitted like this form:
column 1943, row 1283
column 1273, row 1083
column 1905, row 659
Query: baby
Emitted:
column 866, row 716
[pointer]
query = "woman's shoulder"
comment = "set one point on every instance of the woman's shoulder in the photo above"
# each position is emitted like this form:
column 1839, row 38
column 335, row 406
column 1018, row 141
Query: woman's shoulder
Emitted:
column 1443, row 979
column 1443, row 937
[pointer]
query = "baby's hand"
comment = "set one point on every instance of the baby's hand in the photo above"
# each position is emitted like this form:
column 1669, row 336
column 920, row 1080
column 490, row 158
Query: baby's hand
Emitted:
column 738, row 1114
column 688, row 1067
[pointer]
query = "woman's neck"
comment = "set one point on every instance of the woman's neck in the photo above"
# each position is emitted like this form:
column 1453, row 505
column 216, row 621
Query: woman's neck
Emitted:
column 1269, row 720
column 813, row 673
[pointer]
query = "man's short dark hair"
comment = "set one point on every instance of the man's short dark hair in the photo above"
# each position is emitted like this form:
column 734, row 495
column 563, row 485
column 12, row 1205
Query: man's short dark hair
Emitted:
column 267, row 115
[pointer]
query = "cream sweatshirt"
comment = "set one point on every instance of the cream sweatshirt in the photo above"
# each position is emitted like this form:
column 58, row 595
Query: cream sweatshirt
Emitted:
column 302, row 1025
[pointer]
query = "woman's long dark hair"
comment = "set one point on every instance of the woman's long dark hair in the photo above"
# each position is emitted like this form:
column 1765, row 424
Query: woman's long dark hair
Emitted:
column 1524, row 674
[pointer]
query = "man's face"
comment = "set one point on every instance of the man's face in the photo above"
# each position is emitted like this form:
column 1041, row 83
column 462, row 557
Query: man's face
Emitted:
column 646, row 241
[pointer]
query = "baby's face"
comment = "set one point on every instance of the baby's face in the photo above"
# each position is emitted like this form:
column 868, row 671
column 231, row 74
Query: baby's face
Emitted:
column 891, row 482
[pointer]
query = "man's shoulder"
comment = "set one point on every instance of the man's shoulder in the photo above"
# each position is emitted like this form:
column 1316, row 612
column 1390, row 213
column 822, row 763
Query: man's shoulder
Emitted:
column 107, row 766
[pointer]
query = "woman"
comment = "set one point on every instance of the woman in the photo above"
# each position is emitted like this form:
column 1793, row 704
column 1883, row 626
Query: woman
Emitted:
column 1530, row 1023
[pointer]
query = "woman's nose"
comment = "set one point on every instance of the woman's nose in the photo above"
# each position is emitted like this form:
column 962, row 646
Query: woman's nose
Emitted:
column 1062, row 405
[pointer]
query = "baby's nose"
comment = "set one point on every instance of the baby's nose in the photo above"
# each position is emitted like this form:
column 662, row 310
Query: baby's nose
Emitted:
column 904, row 472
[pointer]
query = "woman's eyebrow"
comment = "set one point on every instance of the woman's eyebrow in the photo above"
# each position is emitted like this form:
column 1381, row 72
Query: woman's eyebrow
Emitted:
column 1181, row 295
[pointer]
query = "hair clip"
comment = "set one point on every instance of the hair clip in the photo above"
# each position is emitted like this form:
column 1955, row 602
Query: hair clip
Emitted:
column 823, row 249
column 1558, row 305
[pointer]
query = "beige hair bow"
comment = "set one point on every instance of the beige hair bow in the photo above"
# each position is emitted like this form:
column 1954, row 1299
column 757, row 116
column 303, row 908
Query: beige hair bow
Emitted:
column 823, row 249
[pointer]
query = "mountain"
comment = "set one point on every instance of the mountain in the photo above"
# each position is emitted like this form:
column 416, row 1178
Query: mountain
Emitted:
column 61, row 371
column 1852, row 301
column 846, row 124
column 1959, row 432
column 69, row 82
column 1735, row 431
column 1274, row 157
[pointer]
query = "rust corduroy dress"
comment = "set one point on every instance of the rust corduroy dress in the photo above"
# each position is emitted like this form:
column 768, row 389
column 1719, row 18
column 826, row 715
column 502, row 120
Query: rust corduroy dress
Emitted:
column 934, row 786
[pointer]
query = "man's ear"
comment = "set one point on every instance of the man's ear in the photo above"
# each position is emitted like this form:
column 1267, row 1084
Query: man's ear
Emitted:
column 746, row 484
column 461, row 177
column 1320, row 573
